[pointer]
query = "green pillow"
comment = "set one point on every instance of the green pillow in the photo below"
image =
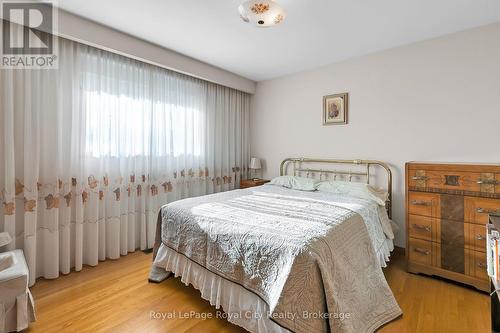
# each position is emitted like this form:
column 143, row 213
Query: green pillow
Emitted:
column 354, row 189
column 296, row 183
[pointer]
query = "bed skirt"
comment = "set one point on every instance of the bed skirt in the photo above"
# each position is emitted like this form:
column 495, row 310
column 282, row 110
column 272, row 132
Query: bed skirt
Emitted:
column 242, row 307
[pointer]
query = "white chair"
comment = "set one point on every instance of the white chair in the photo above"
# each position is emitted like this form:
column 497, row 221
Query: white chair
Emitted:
column 16, row 303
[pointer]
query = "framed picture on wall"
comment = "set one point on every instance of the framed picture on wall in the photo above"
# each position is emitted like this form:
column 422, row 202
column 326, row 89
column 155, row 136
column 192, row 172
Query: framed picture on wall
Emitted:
column 335, row 109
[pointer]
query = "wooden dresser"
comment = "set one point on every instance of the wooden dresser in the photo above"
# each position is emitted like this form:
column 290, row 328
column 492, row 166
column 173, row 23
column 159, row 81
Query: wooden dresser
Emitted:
column 447, row 208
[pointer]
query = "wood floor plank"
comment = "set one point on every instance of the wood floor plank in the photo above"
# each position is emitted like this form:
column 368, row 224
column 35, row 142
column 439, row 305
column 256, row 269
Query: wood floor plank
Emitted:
column 116, row 297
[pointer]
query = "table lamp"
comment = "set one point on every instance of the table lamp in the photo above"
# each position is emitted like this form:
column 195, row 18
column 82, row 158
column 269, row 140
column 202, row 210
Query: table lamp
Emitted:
column 254, row 166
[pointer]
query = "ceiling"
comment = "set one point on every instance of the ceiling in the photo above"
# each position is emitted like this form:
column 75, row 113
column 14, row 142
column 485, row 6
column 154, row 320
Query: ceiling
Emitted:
column 315, row 32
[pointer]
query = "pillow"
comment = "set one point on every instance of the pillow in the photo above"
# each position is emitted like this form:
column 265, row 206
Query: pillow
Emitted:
column 296, row 183
column 354, row 189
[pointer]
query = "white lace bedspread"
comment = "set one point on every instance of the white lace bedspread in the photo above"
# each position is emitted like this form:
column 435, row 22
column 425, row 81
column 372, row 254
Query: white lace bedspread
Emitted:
column 310, row 256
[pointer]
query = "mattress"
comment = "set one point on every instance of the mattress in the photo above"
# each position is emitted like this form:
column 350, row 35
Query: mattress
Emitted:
column 280, row 256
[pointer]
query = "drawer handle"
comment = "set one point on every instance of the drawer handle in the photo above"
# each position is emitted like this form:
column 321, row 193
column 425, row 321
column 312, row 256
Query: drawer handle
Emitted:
column 488, row 182
column 423, row 251
column 421, row 227
column 481, row 264
column 480, row 237
column 419, row 178
column 487, row 211
column 420, row 203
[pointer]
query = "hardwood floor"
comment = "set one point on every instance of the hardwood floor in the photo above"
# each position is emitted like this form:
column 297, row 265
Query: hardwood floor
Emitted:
column 116, row 297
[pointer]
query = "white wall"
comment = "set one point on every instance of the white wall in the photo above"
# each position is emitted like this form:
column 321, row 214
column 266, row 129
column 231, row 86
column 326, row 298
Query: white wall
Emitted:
column 437, row 100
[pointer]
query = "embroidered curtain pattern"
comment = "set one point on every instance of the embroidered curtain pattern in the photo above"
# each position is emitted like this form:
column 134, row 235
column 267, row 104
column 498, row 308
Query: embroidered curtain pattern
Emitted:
column 91, row 151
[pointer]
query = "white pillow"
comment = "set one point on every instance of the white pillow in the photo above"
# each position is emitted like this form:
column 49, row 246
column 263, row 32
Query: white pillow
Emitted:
column 4, row 238
column 296, row 183
column 7, row 260
column 354, row 189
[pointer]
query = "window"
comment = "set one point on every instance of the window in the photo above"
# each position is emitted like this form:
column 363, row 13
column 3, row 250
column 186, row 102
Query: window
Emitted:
column 118, row 125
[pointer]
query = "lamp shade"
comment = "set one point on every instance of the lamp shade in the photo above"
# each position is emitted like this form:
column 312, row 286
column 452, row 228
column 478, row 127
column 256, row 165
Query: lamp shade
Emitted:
column 255, row 163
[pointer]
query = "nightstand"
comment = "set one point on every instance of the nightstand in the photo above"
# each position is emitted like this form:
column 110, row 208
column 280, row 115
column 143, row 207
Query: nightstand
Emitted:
column 246, row 183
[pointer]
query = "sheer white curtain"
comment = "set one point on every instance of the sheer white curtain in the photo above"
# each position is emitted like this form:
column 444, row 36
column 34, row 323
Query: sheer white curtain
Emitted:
column 90, row 152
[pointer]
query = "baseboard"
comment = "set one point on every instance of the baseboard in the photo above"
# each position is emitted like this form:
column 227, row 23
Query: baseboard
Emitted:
column 399, row 251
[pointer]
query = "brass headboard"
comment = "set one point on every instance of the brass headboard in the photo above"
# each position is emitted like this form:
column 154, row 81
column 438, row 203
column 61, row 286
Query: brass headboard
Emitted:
column 298, row 169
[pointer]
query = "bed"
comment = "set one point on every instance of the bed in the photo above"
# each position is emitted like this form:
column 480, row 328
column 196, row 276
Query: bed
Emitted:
column 278, row 260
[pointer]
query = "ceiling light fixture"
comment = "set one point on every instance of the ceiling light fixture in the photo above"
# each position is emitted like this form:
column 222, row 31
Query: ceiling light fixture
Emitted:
column 262, row 13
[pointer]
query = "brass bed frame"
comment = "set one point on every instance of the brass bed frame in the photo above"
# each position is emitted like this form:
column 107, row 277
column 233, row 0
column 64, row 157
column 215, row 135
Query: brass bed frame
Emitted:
column 298, row 170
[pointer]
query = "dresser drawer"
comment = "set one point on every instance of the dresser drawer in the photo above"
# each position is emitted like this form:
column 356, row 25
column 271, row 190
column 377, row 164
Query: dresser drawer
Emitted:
column 446, row 180
column 475, row 237
column 478, row 209
column 420, row 251
column 484, row 182
column 423, row 204
column 489, row 182
column 424, row 227
column 477, row 265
